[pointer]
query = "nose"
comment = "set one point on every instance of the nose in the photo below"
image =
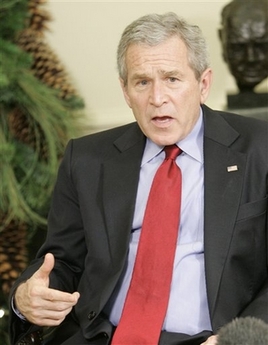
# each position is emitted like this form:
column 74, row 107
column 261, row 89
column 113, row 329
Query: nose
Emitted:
column 251, row 53
column 158, row 94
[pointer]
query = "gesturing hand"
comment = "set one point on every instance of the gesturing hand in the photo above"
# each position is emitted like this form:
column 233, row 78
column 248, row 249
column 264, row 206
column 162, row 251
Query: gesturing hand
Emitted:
column 40, row 304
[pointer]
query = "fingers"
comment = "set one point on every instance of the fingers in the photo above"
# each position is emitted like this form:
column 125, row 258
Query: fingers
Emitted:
column 48, row 314
column 40, row 304
column 52, row 311
column 57, row 296
column 44, row 306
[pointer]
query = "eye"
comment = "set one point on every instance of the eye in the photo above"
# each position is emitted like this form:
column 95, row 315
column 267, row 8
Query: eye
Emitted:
column 236, row 48
column 261, row 46
column 143, row 82
column 172, row 79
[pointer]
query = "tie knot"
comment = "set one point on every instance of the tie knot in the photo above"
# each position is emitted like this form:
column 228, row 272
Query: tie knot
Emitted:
column 172, row 151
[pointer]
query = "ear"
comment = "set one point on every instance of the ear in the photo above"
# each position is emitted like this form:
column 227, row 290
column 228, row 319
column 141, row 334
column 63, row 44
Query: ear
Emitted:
column 205, row 84
column 125, row 92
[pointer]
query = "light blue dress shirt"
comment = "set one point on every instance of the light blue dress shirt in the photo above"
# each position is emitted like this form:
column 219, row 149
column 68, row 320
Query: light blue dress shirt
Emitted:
column 188, row 306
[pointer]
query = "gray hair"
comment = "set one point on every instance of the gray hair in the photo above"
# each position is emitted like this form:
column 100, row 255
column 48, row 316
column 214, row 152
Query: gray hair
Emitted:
column 154, row 29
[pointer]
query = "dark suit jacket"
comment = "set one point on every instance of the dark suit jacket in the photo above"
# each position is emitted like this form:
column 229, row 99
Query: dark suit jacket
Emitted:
column 93, row 205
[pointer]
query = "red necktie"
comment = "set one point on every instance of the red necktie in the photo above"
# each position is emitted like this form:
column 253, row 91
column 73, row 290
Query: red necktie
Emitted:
column 147, row 299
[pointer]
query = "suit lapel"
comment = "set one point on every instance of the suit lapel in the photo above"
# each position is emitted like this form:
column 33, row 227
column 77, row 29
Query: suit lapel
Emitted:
column 224, row 170
column 120, row 180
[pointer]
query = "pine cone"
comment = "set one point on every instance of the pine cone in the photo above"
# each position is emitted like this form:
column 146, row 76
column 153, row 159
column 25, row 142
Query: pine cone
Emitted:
column 38, row 16
column 26, row 132
column 13, row 253
column 46, row 65
column 36, row 3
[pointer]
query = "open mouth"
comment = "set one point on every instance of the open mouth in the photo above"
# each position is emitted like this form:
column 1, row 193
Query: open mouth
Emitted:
column 162, row 120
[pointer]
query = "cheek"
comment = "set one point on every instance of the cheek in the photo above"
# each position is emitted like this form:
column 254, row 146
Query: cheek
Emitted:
column 138, row 104
column 187, row 101
column 127, row 99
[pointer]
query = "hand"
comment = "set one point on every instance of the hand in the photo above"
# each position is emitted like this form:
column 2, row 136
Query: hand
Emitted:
column 40, row 304
column 211, row 341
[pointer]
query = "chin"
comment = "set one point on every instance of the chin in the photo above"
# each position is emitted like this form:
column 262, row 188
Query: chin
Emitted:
column 164, row 141
column 164, row 137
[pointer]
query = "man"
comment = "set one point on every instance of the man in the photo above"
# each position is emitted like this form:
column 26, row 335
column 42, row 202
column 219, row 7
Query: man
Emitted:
column 79, row 281
column 244, row 38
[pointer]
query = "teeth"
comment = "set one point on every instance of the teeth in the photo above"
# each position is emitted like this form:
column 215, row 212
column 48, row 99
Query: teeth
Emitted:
column 162, row 119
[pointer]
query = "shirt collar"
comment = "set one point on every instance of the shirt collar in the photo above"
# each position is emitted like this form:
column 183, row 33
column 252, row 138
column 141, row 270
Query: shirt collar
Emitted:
column 192, row 145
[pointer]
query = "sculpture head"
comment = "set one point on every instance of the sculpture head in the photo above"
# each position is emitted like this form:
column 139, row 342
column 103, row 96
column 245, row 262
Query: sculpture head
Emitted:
column 244, row 39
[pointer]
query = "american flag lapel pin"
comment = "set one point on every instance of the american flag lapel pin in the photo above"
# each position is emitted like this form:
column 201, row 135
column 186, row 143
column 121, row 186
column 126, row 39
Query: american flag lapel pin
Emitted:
column 232, row 168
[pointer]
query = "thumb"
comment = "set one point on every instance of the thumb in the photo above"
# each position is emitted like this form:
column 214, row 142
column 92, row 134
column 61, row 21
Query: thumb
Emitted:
column 46, row 268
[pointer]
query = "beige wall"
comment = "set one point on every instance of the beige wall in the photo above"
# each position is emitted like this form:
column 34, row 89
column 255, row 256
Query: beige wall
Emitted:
column 85, row 34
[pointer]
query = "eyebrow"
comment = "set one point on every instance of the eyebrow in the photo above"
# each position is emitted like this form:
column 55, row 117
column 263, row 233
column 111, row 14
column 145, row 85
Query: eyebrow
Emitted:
column 137, row 76
column 172, row 73
column 177, row 73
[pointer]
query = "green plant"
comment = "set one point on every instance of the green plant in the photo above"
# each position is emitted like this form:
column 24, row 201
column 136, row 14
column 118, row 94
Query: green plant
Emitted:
column 39, row 112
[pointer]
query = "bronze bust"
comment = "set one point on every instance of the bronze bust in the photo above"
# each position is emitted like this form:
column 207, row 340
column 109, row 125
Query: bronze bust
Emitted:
column 244, row 40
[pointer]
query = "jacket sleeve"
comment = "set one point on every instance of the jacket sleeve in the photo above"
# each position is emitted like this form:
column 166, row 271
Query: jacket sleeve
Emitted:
column 65, row 239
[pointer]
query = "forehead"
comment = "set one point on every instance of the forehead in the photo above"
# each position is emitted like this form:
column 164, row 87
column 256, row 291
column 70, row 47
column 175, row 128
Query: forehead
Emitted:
column 172, row 51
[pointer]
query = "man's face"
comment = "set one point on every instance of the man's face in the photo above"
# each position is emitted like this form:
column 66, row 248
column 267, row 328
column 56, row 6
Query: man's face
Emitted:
column 162, row 90
column 245, row 45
